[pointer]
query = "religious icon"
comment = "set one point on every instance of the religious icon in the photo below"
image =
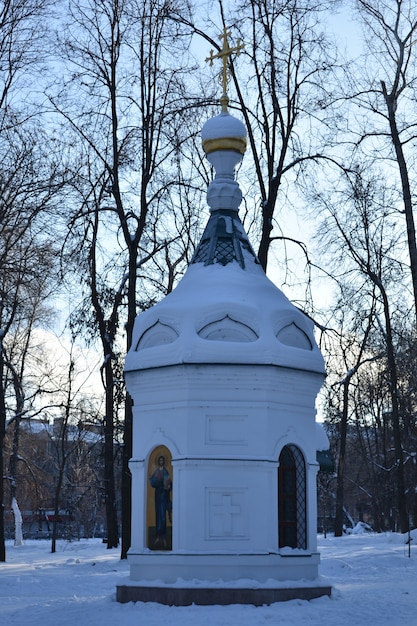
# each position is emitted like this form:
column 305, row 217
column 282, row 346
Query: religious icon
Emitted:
column 161, row 483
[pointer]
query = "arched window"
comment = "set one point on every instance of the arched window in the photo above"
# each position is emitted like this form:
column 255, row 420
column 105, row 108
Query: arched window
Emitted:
column 292, row 514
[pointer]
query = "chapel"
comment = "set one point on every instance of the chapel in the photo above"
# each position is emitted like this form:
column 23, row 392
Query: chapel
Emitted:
column 224, row 373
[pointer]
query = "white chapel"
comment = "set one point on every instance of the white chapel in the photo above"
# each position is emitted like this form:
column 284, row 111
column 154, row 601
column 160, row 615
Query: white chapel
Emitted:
column 224, row 374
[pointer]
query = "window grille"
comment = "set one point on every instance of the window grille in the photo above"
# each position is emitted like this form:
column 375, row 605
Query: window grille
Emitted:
column 292, row 508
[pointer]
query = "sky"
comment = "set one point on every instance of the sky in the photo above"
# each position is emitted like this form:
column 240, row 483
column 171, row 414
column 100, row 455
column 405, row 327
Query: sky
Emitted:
column 372, row 577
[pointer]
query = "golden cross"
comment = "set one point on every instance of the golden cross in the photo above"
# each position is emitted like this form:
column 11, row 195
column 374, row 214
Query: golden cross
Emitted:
column 224, row 55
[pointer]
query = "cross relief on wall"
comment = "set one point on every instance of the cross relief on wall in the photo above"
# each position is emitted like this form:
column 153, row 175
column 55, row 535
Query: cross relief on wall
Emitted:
column 225, row 514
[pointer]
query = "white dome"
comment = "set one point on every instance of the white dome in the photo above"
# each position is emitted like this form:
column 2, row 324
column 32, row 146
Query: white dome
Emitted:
column 223, row 125
column 224, row 314
column 224, row 132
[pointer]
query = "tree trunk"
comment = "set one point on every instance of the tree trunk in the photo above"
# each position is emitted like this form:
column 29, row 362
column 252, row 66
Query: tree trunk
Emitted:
column 128, row 426
column 269, row 206
column 56, row 508
column 15, row 455
column 406, row 191
column 109, row 484
column 127, row 479
column 18, row 534
column 264, row 244
column 338, row 522
column 2, row 434
column 396, row 427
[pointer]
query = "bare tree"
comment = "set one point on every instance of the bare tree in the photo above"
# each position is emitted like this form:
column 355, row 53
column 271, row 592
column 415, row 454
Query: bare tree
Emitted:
column 387, row 91
column 356, row 354
column 367, row 238
column 22, row 44
column 283, row 88
column 291, row 63
column 26, row 256
column 14, row 457
column 125, row 100
column 66, row 434
column 58, row 436
column 22, row 47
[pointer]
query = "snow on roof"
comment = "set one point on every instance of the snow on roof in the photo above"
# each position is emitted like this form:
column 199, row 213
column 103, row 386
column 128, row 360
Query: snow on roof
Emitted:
column 225, row 309
column 224, row 314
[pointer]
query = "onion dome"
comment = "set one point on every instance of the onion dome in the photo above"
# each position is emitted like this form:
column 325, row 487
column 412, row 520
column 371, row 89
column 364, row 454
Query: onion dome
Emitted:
column 224, row 132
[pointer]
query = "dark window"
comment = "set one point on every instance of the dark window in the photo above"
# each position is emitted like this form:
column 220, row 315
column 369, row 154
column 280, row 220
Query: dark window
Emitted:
column 292, row 499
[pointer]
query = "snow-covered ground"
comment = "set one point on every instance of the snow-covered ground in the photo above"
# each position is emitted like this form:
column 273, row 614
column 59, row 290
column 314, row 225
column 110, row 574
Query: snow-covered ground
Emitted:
column 374, row 584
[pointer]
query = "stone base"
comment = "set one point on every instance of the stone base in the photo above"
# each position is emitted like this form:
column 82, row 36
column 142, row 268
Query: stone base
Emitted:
column 171, row 567
column 177, row 596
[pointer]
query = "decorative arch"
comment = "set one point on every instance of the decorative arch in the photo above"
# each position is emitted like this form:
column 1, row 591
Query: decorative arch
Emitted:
column 158, row 334
column 159, row 499
column 292, row 498
column 227, row 329
column 292, row 335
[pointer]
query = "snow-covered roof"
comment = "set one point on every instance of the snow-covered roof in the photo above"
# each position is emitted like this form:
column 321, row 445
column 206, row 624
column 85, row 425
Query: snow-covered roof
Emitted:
column 225, row 309
column 224, row 314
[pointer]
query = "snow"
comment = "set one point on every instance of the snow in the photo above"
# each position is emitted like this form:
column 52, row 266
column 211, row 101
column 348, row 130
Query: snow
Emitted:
column 373, row 580
column 223, row 126
column 213, row 293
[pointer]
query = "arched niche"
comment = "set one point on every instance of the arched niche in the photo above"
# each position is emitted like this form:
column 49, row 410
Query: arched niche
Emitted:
column 292, row 335
column 227, row 329
column 157, row 335
column 292, row 499
column 159, row 500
